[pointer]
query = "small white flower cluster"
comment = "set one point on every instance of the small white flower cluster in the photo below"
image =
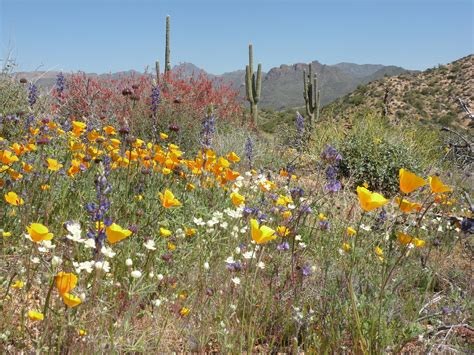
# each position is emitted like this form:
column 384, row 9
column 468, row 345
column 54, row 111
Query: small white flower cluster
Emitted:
column 89, row 266
column 75, row 234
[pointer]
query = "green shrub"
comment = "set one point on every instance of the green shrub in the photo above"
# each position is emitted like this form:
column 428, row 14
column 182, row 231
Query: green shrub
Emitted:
column 13, row 97
column 371, row 155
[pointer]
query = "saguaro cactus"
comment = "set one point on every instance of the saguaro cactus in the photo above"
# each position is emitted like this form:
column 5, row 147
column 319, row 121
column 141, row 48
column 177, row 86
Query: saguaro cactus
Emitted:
column 253, row 85
column 157, row 68
column 311, row 96
column 167, row 49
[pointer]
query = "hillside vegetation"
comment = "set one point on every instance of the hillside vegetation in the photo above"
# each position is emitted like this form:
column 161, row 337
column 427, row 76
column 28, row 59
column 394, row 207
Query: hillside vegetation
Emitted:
column 430, row 97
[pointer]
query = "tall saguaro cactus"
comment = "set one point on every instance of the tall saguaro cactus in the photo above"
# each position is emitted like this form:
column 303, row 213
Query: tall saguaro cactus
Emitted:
column 253, row 85
column 157, row 69
column 167, row 49
column 311, row 96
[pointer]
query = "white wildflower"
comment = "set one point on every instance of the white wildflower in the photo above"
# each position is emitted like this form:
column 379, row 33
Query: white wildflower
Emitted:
column 150, row 244
column 107, row 251
column 136, row 274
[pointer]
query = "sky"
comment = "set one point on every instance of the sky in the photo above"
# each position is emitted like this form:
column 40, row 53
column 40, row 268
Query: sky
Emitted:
column 114, row 35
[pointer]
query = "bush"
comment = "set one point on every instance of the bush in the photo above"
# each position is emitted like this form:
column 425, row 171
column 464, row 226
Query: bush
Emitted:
column 369, row 156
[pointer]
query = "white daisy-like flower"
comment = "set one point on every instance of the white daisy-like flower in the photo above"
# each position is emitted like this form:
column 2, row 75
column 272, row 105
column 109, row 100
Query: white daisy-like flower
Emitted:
column 156, row 302
column 56, row 261
column 236, row 280
column 150, row 244
column 248, row 255
column 90, row 243
column 160, row 277
column 261, row 265
column 102, row 265
column 237, row 250
column 206, row 265
column 74, row 228
column 136, row 274
column 129, row 262
column 298, row 237
column 366, row 228
column 198, row 221
column 35, row 260
column 107, row 251
column 230, row 260
column 224, row 225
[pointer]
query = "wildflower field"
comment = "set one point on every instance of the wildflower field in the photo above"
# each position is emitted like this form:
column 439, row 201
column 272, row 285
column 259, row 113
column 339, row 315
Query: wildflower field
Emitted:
column 154, row 215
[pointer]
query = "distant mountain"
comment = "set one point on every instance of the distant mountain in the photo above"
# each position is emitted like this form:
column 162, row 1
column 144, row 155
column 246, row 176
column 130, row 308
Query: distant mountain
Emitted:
column 436, row 96
column 282, row 87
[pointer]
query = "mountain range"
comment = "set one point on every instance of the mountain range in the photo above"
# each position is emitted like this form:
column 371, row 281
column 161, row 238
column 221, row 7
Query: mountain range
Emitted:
column 282, row 87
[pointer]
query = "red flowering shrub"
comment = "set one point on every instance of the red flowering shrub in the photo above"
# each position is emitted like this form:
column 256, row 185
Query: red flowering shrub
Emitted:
column 127, row 102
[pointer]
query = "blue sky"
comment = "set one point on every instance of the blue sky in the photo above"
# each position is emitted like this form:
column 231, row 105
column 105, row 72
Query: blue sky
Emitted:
column 114, row 35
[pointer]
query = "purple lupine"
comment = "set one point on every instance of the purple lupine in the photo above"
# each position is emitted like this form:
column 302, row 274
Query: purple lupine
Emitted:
column 283, row 246
column 234, row 266
column 332, row 157
column 249, row 151
column 208, row 130
column 155, row 98
column 32, row 94
column 306, row 271
column 97, row 211
column 60, row 83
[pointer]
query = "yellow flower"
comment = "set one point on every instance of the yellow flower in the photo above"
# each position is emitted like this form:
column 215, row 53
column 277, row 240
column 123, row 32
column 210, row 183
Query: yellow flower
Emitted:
column 322, row 217
column 351, row 231
column 171, row 246
column 6, row 234
column 407, row 206
column 163, row 136
column 168, row 200
column 437, row 185
column 115, row 233
column 53, row 164
column 35, row 316
column 18, row 284
column 65, row 281
column 184, row 311
column 71, row 300
column 237, row 199
column 409, row 181
column 165, row 232
column 261, row 234
column 13, row 199
column 370, row 200
column 190, row 232
column 82, row 332
column 286, row 214
column 39, row 232
column 190, row 187
column 110, row 130
column 234, row 158
column 166, row 171
column 346, row 247
column 45, row 187
column 405, row 239
column 379, row 253
column 283, row 231
column 7, row 157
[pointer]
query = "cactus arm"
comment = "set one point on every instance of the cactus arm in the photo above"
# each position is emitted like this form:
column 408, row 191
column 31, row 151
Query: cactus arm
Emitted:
column 258, row 85
column 167, row 49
